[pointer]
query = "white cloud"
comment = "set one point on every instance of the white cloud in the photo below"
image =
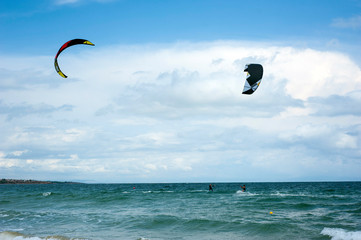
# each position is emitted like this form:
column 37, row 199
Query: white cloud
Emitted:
column 346, row 141
column 175, row 113
column 182, row 164
column 72, row 135
column 50, row 136
column 19, row 153
column 158, row 138
column 352, row 22
column 311, row 73
column 8, row 163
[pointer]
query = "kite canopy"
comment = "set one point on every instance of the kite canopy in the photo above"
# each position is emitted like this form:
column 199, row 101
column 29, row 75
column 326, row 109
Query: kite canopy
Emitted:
column 66, row 45
column 254, row 76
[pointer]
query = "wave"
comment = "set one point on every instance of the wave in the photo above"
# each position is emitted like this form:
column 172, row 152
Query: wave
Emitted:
column 197, row 191
column 45, row 194
column 158, row 191
column 241, row 193
column 7, row 235
column 341, row 234
column 279, row 194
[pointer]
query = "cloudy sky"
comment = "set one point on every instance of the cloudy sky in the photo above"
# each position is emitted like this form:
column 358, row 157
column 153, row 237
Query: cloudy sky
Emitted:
column 159, row 96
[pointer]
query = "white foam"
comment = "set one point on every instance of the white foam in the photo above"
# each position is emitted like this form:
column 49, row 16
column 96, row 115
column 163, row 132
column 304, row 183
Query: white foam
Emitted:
column 242, row 193
column 341, row 234
column 7, row 235
column 289, row 195
column 45, row 194
column 15, row 236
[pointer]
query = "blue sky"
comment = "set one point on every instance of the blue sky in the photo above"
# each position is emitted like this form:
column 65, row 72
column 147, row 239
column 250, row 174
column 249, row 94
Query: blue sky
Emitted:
column 158, row 99
column 132, row 22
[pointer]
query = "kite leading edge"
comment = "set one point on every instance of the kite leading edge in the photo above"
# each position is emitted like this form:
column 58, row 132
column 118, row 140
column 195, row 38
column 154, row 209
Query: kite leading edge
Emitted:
column 66, row 45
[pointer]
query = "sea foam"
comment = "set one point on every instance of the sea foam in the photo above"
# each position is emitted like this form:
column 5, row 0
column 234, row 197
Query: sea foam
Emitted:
column 45, row 194
column 7, row 235
column 341, row 234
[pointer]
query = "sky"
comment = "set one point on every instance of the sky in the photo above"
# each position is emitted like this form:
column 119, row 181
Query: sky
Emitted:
column 159, row 97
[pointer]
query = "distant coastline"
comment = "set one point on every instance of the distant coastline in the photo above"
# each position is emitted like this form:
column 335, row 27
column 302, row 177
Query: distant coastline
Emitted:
column 20, row 181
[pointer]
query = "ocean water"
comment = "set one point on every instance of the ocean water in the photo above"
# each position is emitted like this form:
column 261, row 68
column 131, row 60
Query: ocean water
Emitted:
column 322, row 210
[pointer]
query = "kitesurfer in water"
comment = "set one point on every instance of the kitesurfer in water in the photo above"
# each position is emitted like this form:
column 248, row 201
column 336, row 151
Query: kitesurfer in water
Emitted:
column 243, row 188
column 210, row 187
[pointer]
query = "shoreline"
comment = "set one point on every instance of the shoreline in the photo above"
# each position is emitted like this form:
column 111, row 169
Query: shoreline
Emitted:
column 30, row 181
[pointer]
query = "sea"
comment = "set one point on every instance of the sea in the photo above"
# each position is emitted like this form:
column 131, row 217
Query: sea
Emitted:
column 179, row 211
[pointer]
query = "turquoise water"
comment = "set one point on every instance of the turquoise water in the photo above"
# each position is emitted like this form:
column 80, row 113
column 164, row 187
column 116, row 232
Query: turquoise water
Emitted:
column 329, row 210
